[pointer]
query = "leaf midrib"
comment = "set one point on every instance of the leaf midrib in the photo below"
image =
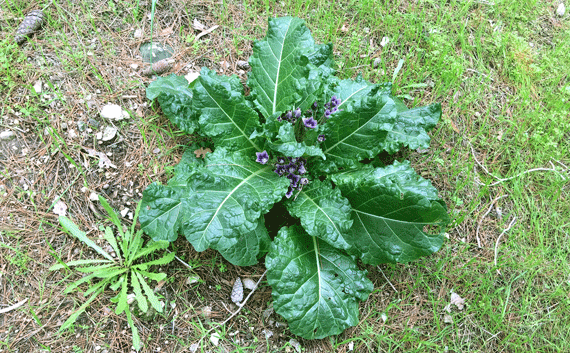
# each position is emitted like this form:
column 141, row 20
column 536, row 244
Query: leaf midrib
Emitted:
column 245, row 180
column 232, row 120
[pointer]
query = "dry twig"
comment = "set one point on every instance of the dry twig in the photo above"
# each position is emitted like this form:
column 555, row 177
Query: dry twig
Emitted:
column 500, row 180
column 485, row 215
column 499, row 238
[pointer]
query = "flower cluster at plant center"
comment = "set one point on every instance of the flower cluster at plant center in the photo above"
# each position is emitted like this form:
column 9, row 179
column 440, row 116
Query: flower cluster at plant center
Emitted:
column 292, row 167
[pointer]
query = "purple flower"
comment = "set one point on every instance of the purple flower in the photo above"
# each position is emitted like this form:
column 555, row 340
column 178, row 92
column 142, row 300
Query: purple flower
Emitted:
column 304, row 181
column 327, row 113
column 291, row 167
column 288, row 115
column 335, row 101
column 281, row 160
column 302, row 169
column 310, row 123
column 280, row 170
column 294, row 179
column 315, row 106
column 297, row 112
column 321, row 138
column 262, row 157
column 289, row 193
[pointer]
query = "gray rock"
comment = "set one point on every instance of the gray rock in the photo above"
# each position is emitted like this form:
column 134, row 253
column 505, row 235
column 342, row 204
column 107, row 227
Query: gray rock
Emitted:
column 109, row 133
column 7, row 135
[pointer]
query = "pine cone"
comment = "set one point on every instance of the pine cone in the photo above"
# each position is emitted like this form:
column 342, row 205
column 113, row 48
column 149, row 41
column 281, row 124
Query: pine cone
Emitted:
column 158, row 67
column 32, row 22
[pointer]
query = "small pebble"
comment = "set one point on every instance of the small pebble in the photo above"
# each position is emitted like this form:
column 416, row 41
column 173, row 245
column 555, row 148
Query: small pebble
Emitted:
column 93, row 196
column 248, row 283
column 156, row 150
column 114, row 112
column 376, row 63
column 561, row 10
column 38, row 86
column 7, row 135
column 109, row 133
column 244, row 65
column 106, row 186
column 215, row 338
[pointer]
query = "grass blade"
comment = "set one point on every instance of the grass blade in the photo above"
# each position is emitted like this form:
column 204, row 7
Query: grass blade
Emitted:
column 72, row 228
column 112, row 214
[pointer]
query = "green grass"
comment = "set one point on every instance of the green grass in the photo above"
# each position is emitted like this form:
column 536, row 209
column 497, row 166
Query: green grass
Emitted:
column 501, row 73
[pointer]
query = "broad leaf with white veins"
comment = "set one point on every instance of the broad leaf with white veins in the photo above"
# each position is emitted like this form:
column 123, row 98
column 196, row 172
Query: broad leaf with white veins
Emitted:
column 390, row 208
column 225, row 116
column 315, row 286
column 323, row 211
column 276, row 74
column 231, row 192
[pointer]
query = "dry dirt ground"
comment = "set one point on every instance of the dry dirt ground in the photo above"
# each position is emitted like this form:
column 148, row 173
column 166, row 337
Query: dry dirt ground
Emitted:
column 86, row 57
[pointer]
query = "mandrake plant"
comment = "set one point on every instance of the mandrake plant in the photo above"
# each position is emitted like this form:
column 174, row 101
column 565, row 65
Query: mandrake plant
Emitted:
column 126, row 272
column 306, row 141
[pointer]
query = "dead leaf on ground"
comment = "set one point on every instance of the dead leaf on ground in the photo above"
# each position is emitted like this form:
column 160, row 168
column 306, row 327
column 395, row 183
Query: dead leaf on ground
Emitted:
column 104, row 161
column 201, row 152
column 457, row 301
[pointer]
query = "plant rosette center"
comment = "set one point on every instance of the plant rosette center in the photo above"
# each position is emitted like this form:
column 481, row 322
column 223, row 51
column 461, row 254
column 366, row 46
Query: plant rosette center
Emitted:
column 301, row 142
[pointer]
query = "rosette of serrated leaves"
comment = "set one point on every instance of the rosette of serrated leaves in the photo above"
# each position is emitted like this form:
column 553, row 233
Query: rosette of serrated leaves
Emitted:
column 124, row 271
column 302, row 138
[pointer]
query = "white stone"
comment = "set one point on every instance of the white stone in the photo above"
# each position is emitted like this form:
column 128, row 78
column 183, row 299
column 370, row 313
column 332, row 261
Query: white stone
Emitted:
column 384, row 41
column 191, row 76
column 249, row 283
column 114, row 112
column 131, row 298
column 561, row 10
column 93, row 196
column 38, row 86
column 60, row 208
column 109, row 133
column 134, row 66
column 124, row 212
column 215, row 338
column 138, row 33
column 7, row 135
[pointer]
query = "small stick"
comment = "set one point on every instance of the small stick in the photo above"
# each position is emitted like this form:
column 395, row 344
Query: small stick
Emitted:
column 500, row 180
column 12, row 307
column 499, row 238
column 485, row 215
column 208, row 31
column 387, row 280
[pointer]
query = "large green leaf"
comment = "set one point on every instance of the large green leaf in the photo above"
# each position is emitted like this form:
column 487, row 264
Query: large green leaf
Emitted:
column 315, row 286
column 164, row 207
column 224, row 114
column 231, row 192
column 357, row 131
column 175, row 98
column 245, row 249
column 397, row 214
column 163, row 210
column 278, row 67
column 323, row 211
column 411, row 127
